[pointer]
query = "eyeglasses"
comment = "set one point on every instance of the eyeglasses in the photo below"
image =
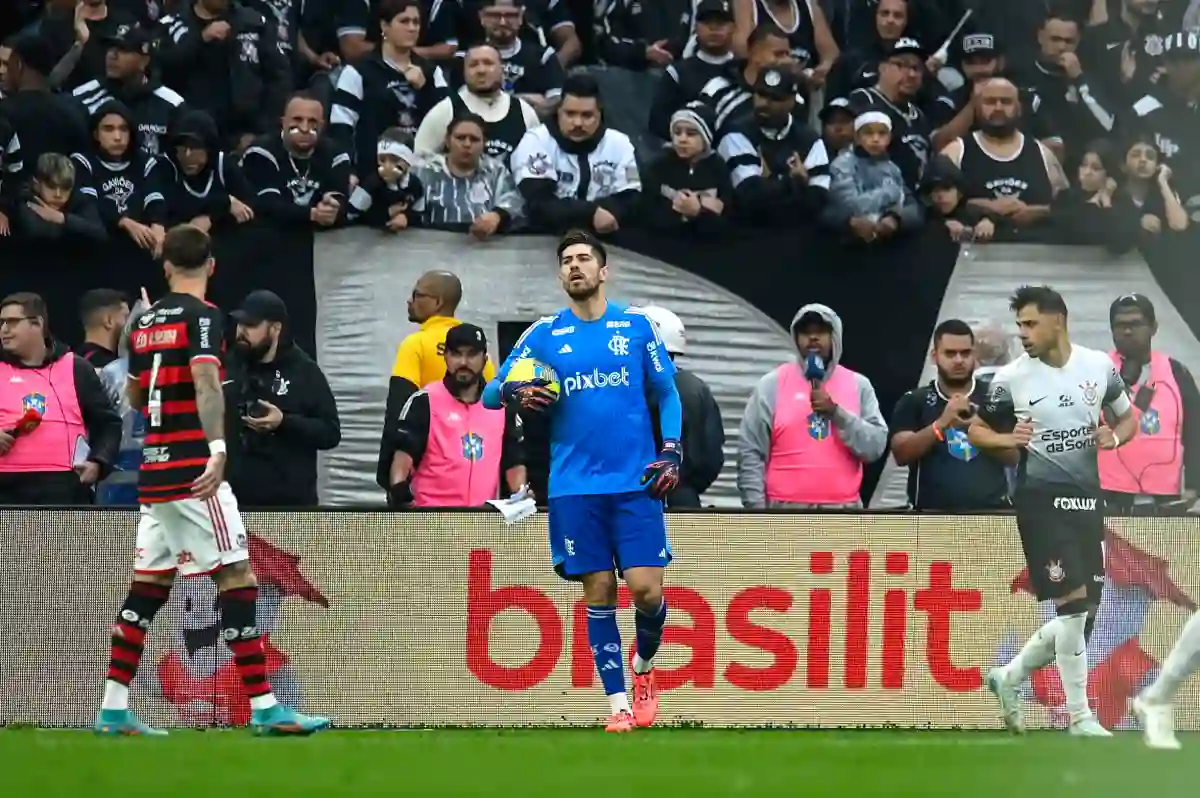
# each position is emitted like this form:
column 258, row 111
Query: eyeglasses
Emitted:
column 13, row 321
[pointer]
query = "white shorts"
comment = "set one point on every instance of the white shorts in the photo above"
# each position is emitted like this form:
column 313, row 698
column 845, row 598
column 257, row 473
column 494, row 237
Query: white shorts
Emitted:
column 192, row 536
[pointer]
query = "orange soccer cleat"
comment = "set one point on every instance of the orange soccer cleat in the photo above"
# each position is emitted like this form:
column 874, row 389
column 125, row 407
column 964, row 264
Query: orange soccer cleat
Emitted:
column 645, row 698
column 621, row 722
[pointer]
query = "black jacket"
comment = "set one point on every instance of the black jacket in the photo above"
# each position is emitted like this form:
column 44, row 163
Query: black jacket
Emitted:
column 45, row 122
column 81, row 219
column 279, row 468
column 703, row 439
column 668, row 174
column 154, row 109
column 241, row 81
column 287, row 188
column 100, row 416
column 627, row 27
column 206, row 193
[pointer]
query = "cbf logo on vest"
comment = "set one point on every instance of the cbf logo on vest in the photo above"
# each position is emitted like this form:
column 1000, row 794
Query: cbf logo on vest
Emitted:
column 35, row 402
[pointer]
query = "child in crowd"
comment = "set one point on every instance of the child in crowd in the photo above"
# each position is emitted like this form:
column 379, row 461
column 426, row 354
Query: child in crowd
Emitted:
column 1146, row 193
column 867, row 191
column 941, row 188
column 53, row 208
column 684, row 188
column 389, row 199
column 1083, row 212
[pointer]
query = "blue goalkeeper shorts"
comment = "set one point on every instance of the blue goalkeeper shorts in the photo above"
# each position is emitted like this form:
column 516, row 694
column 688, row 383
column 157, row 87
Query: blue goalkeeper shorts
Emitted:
column 606, row 532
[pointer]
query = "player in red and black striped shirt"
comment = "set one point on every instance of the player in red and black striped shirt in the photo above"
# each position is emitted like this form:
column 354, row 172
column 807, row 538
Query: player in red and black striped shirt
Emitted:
column 190, row 522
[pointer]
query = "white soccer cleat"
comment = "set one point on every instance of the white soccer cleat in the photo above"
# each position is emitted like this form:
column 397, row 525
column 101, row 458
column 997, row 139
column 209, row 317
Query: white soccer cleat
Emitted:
column 1158, row 724
column 1010, row 702
column 1088, row 727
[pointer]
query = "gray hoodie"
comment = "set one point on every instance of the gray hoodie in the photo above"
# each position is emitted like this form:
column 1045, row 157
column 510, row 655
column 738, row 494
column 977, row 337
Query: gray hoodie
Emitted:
column 865, row 435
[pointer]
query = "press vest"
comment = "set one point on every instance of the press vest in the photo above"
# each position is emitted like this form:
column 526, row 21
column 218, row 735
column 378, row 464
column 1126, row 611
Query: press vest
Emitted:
column 809, row 464
column 1151, row 463
column 50, row 389
column 461, row 464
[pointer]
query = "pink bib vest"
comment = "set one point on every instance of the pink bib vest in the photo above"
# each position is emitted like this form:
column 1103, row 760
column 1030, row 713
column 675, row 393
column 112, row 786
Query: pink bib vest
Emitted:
column 808, row 463
column 461, row 465
column 51, row 390
column 1151, row 463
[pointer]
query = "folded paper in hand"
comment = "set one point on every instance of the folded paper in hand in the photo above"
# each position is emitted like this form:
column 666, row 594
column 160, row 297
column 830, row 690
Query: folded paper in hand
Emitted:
column 517, row 507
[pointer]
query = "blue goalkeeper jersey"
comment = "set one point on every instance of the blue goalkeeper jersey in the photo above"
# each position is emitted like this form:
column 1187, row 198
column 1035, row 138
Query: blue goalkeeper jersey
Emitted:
column 601, row 437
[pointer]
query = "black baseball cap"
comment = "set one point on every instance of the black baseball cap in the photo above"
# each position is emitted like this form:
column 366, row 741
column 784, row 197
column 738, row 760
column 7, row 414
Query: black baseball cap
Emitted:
column 260, row 306
column 835, row 105
column 979, row 44
column 1138, row 302
column 776, row 83
column 907, row 45
column 468, row 336
column 1181, row 46
column 714, row 9
column 130, row 39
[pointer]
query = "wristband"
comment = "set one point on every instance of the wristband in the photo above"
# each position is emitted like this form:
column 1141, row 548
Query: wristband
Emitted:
column 937, row 433
column 216, row 447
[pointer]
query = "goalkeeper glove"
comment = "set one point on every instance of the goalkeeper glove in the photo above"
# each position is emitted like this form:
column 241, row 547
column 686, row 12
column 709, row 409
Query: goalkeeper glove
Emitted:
column 527, row 395
column 662, row 476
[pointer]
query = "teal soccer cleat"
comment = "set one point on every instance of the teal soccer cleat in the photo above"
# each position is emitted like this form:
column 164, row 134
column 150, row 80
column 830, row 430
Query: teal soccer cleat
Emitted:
column 123, row 723
column 279, row 721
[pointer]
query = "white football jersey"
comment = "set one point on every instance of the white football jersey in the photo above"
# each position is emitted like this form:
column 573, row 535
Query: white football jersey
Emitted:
column 1064, row 406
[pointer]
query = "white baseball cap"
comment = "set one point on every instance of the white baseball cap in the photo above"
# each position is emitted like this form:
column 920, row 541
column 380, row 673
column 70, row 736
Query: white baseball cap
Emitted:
column 670, row 329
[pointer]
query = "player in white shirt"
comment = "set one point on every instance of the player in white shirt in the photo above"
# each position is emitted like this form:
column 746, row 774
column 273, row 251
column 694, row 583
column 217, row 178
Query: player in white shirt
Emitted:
column 1045, row 414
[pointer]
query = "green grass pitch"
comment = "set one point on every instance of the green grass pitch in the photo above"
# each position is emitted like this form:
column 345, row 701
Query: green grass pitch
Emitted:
column 568, row 763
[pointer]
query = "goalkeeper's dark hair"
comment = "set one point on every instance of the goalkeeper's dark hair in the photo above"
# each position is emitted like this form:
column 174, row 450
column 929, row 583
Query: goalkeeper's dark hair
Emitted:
column 1044, row 298
column 574, row 237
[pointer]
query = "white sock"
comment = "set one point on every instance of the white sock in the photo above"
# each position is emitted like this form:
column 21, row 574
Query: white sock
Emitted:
column 263, row 701
column 642, row 665
column 1070, row 654
column 116, row 695
column 1179, row 664
column 1037, row 652
column 619, row 702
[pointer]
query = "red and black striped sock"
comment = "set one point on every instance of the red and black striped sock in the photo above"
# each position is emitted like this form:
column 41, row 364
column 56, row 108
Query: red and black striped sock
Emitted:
column 239, row 629
column 129, row 632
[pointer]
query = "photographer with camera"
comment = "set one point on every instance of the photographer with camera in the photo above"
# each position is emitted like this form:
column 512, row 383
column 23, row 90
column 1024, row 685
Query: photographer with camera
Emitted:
column 929, row 432
column 279, row 410
column 1158, row 472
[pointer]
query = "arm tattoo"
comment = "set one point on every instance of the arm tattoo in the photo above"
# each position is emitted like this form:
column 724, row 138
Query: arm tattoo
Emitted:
column 210, row 401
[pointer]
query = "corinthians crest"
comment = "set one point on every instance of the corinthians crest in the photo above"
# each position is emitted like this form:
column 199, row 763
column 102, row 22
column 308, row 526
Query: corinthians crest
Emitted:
column 1090, row 393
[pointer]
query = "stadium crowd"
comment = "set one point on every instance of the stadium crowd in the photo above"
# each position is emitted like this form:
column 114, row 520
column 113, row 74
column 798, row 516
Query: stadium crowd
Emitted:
column 868, row 119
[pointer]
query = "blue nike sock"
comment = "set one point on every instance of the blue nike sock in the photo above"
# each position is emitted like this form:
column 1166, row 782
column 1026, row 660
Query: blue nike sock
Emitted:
column 605, row 639
column 649, row 630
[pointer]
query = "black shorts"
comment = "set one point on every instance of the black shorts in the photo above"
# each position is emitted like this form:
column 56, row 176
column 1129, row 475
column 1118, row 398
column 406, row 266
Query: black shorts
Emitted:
column 1062, row 533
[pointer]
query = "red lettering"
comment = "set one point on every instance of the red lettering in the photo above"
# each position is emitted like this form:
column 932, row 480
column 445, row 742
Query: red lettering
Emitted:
column 820, row 610
column 895, row 624
column 692, row 622
column 484, row 604
column 745, row 631
column 858, row 616
column 700, row 637
column 938, row 601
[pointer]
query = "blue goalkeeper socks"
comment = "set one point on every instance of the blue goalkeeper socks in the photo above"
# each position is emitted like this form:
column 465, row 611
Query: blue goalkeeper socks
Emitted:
column 605, row 639
column 649, row 629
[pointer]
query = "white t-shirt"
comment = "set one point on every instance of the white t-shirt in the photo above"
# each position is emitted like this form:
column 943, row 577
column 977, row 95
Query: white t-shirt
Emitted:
column 1064, row 405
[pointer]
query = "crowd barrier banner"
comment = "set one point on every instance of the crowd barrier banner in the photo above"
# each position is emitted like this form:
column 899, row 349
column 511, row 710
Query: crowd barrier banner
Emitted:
column 435, row 619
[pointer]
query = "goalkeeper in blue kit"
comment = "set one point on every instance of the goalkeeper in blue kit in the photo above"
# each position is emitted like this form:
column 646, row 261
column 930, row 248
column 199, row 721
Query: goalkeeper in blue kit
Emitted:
column 607, row 481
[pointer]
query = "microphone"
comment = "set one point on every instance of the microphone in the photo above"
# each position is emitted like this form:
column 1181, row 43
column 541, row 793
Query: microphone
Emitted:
column 814, row 369
column 27, row 423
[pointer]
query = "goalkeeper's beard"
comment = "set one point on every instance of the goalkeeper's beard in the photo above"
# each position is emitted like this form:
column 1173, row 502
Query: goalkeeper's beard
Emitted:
column 584, row 292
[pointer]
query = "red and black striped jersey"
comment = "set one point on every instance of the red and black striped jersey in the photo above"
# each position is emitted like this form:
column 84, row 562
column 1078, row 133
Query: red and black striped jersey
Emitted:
column 166, row 340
